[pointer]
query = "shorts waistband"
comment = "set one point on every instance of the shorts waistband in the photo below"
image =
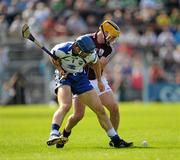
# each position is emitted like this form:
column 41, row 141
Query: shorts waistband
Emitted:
column 75, row 74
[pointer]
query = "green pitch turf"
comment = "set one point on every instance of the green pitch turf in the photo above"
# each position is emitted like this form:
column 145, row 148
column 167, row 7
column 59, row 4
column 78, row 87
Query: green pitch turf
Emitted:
column 25, row 129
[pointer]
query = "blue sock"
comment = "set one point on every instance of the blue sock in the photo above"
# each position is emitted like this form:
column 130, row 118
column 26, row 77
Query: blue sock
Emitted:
column 55, row 127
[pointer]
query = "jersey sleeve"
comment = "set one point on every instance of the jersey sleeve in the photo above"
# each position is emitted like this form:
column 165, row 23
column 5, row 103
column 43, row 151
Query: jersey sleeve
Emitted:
column 57, row 52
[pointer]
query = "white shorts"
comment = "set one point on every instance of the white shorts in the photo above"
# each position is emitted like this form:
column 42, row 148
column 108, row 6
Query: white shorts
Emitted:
column 106, row 85
column 107, row 88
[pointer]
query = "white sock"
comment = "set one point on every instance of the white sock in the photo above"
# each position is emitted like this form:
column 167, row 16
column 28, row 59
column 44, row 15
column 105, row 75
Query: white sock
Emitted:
column 111, row 132
column 56, row 132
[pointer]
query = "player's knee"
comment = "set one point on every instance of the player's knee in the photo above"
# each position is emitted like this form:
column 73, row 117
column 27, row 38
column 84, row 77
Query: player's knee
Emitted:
column 78, row 116
column 114, row 108
column 100, row 110
column 65, row 107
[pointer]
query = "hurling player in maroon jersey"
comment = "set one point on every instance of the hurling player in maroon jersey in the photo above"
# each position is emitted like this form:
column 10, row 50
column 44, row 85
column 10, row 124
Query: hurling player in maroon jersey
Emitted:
column 107, row 34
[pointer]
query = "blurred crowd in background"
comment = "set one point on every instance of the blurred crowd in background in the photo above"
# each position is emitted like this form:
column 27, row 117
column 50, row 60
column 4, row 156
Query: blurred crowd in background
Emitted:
column 148, row 46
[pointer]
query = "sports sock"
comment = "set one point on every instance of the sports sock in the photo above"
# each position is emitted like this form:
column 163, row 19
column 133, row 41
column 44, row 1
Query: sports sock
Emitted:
column 66, row 134
column 55, row 126
column 111, row 132
column 55, row 129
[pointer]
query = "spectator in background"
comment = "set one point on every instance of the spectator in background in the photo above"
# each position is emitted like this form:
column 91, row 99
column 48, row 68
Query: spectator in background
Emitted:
column 118, row 17
column 57, row 6
column 60, row 27
column 3, row 28
column 177, row 75
column 176, row 54
column 14, row 90
column 42, row 11
column 76, row 24
column 48, row 27
column 165, row 54
column 15, row 27
column 163, row 19
column 4, row 59
column 29, row 11
column 137, row 77
column 137, row 84
column 18, row 82
column 150, row 4
column 177, row 35
column 132, row 36
column 165, row 37
column 3, row 8
column 175, row 17
column 148, row 10
column 157, row 74
column 8, row 94
column 91, row 22
column 149, row 38
column 122, row 91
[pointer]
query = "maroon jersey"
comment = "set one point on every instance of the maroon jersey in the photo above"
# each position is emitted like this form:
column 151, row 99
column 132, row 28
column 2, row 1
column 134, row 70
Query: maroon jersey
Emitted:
column 103, row 50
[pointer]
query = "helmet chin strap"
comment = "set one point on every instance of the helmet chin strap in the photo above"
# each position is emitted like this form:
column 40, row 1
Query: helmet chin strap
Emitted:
column 104, row 35
column 74, row 52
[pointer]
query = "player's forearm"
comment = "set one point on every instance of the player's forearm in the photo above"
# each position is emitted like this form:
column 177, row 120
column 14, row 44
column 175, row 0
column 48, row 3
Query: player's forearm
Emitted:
column 57, row 64
column 97, row 70
column 103, row 62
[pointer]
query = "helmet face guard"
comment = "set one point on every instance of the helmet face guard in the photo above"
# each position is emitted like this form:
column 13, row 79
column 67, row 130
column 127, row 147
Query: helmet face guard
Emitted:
column 110, row 31
column 83, row 54
column 86, row 45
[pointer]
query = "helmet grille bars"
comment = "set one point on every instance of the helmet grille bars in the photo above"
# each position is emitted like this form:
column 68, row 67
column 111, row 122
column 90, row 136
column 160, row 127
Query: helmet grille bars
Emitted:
column 113, row 25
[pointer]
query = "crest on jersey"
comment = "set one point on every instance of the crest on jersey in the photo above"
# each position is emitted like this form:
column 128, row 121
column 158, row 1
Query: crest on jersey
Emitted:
column 80, row 63
column 100, row 52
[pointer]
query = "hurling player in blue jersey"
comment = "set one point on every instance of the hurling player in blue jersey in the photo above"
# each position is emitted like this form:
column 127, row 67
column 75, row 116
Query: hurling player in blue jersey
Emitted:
column 71, row 78
column 107, row 34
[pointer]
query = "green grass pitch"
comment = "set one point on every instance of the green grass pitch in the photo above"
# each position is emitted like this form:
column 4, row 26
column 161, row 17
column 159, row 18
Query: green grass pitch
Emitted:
column 25, row 129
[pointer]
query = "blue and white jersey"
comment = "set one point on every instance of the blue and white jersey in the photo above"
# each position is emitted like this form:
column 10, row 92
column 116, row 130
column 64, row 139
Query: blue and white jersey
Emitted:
column 69, row 62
